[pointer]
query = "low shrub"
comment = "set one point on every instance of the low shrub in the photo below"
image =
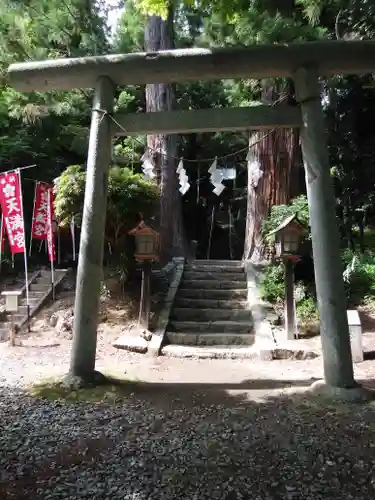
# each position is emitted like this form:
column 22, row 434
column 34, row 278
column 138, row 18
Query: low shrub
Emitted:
column 273, row 290
column 359, row 276
column 272, row 286
column 307, row 311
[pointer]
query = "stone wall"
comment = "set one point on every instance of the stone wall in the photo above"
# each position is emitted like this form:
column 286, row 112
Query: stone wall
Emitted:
column 167, row 280
column 259, row 309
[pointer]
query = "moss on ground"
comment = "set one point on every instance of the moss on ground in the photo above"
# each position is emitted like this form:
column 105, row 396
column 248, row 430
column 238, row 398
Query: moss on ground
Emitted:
column 110, row 388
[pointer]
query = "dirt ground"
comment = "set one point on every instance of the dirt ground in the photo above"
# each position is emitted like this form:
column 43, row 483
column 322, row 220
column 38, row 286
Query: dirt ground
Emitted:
column 45, row 352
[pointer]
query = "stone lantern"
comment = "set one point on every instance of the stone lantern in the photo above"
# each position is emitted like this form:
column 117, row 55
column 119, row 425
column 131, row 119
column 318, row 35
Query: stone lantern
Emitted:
column 288, row 236
column 147, row 244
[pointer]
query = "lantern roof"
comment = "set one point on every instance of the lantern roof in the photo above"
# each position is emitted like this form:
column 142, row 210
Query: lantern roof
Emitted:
column 291, row 221
column 143, row 228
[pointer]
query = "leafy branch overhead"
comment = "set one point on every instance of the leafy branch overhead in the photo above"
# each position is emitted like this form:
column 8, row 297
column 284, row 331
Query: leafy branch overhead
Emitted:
column 128, row 196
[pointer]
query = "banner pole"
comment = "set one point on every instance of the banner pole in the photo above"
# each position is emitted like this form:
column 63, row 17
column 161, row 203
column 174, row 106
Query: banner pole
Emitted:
column 19, row 169
column 1, row 239
column 24, row 254
column 50, row 250
column 32, row 221
column 58, row 247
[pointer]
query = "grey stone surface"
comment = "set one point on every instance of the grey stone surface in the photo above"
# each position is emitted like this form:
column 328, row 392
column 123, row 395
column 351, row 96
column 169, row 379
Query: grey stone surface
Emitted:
column 212, row 303
column 199, row 314
column 40, row 291
column 163, row 319
column 208, row 352
column 211, row 306
column 356, row 394
column 263, row 315
column 210, row 339
column 214, row 293
column 355, row 332
column 131, row 343
column 211, row 326
column 210, row 284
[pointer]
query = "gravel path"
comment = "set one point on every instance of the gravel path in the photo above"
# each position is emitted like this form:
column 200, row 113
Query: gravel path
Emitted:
column 245, row 437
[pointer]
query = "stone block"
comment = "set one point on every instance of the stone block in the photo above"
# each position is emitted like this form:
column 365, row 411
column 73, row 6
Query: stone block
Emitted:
column 131, row 343
column 155, row 344
column 355, row 332
column 265, row 354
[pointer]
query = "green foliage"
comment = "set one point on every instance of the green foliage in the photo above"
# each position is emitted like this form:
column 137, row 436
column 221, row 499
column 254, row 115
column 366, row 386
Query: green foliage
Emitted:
column 69, row 193
column 359, row 276
column 272, row 287
column 273, row 290
column 51, row 128
column 279, row 213
column 128, row 196
column 307, row 311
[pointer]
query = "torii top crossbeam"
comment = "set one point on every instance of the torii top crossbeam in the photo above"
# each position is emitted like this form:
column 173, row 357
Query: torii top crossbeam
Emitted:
column 259, row 61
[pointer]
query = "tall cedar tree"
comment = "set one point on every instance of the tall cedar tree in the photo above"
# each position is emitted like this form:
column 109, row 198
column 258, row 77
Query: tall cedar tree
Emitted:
column 159, row 35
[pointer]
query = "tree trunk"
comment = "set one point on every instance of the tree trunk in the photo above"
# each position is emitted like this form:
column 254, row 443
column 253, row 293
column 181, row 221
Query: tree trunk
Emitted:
column 274, row 177
column 159, row 35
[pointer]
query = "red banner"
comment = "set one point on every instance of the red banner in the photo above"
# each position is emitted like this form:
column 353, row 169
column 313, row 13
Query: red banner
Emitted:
column 10, row 199
column 40, row 215
column 50, row 235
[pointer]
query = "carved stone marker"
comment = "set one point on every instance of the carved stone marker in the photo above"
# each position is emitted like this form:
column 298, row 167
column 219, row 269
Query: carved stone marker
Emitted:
column 355, row 332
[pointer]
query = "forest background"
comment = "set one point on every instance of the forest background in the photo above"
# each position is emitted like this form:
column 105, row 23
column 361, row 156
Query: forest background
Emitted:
column 51, row 129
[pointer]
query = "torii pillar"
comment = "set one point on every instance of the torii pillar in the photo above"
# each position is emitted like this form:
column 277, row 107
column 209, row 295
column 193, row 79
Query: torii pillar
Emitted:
column 90, row 261
column 338, row 366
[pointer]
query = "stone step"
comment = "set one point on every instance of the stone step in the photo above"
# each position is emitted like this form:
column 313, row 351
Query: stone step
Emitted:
column 209, row 352
column 213, row 262
column 214, row 284
column 43, row 279
column 213, row 275
column 187, row 314
column 33, row 298
column 4, row 334
column 210, row 339
column 210, row 303
column 210, row 326
column 215, row 294
column 36, row 294
column 17, row 318
column 32, row 302
column 40, row 287
column 214, row 268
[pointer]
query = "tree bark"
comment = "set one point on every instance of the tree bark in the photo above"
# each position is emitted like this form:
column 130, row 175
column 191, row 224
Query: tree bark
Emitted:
column 279, row 158
column 159, row 35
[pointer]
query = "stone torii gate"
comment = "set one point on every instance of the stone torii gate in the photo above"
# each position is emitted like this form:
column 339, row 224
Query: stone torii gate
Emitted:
column 304, row 62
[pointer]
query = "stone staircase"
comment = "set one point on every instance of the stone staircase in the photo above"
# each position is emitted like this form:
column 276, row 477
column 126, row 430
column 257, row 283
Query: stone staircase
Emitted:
column 210, row 307
column 40, row 289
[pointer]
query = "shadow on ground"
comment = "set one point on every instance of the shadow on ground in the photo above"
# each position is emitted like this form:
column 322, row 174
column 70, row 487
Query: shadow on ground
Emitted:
column 144, row 441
